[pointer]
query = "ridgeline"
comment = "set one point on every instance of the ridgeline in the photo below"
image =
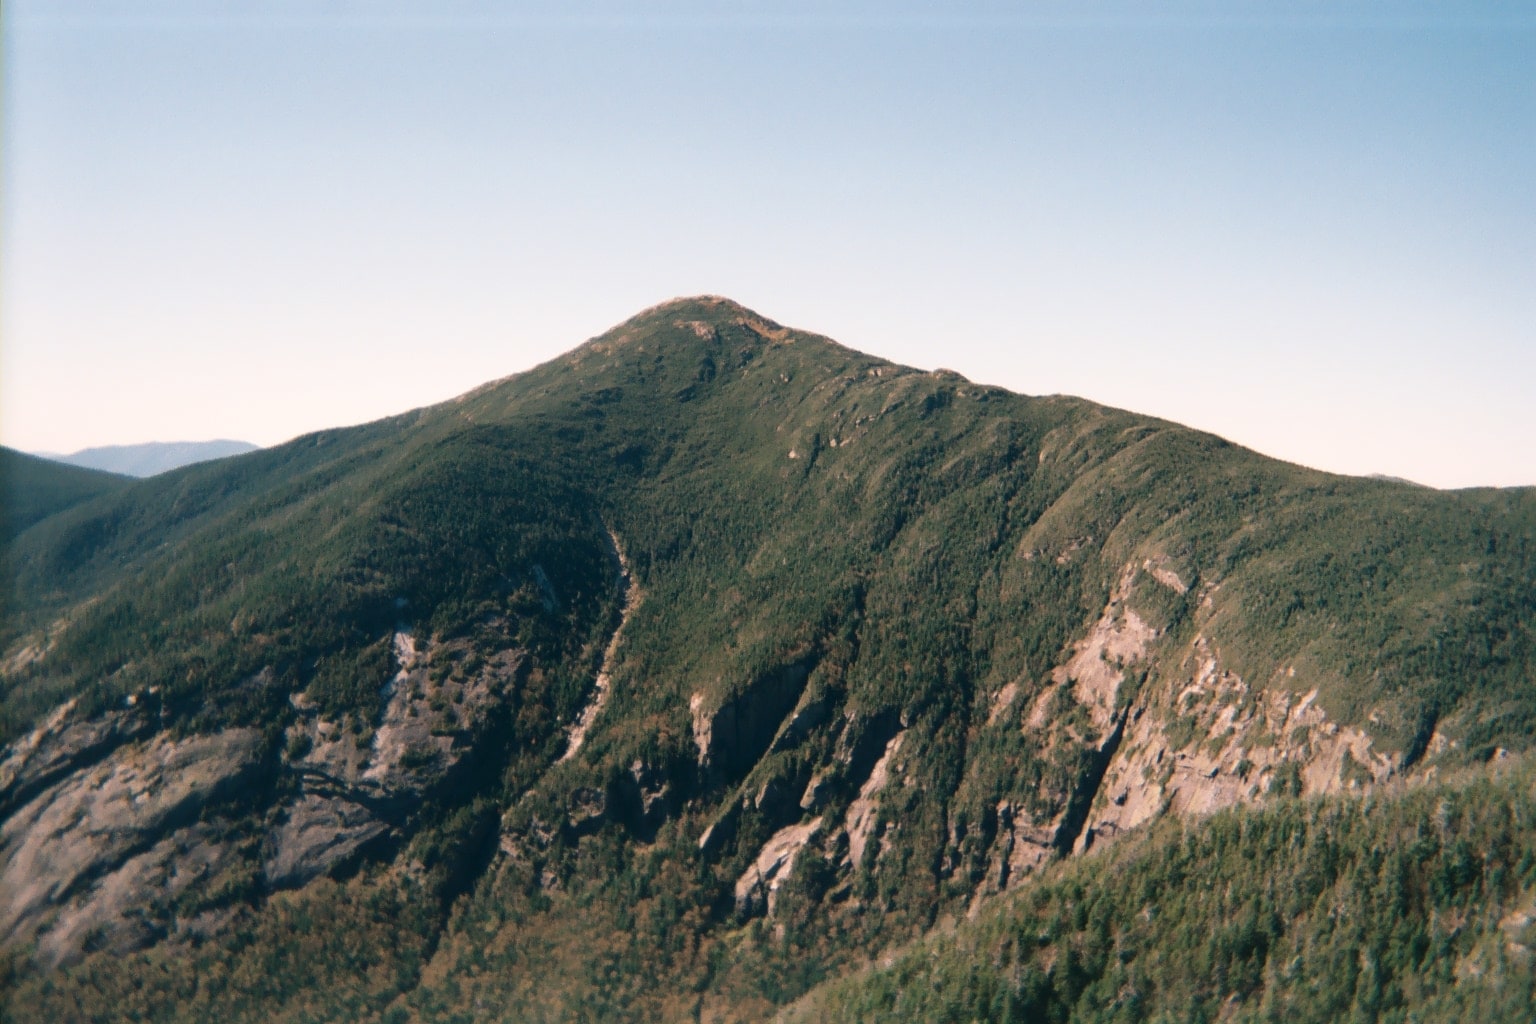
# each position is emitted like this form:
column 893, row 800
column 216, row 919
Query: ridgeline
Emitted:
column 841, row 652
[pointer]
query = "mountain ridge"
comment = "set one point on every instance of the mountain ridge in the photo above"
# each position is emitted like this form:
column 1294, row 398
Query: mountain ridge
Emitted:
column 904, row 642
column 35, row 488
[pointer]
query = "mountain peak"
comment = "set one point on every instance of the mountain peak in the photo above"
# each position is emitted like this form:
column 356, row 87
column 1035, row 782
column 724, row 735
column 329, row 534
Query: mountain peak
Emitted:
column 719, row 304
column 706, row 316
column 710, row 310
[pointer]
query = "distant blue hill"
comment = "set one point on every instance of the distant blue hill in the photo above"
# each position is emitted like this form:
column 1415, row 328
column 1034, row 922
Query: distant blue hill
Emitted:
column 152, row 458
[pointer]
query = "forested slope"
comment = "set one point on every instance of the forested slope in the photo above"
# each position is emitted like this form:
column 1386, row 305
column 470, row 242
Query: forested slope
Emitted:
column 32, row 489
column 1418, row 904
column 854, row 648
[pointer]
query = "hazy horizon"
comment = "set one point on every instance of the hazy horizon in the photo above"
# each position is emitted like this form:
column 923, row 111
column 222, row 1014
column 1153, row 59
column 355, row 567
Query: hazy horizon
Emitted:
column 1310, row 232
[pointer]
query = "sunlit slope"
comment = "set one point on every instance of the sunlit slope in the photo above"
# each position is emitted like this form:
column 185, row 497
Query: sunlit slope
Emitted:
column 875, row 645
column 729, row 451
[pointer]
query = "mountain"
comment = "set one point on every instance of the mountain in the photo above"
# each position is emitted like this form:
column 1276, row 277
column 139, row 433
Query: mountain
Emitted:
column 152, row 458
column 36, row 488
column 713, row 663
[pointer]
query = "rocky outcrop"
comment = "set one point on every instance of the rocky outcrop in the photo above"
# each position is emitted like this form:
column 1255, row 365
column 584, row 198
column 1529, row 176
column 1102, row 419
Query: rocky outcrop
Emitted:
column 351, row 792
column 67, row 742
column 1022, row 846
column 860, row 746
column 114, row 833
column 1129, row 726
column 733, row 735
column 315, row 834
column 864, row 755
column 1097, row 668
column 83, row 858
column 757, row 888
column 108, row 837
column 1219, row 742
column 863, row 812
column 115, row 914
column 1197, row 740
column 1077, row 720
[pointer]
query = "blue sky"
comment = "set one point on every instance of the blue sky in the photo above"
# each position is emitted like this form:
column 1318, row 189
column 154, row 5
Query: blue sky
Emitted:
column 1311, row 232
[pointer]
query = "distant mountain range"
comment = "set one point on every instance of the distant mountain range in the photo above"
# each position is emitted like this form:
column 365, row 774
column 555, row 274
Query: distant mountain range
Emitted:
column 714, row 671
column 150, row 459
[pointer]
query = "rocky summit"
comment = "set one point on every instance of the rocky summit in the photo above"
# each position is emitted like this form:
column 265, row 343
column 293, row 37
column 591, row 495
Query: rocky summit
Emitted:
column 714, row 671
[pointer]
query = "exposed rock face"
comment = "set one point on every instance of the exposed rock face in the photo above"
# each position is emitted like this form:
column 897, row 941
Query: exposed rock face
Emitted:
column 1096, row 669
column 93, row 847
column 1236, row 743
column 731, row 737
column 1197, row 746
column 1141, row 729
column 107, row 837
column 1021, row 848
column 350, row 794
column 1196, row 740
column 428, row 724
column 860, row 821
column 64, row 743
column 818, row 790
column 864, row 755
column 317, row 833
column 1078, row 715
column 758, row 886
column 115, row 913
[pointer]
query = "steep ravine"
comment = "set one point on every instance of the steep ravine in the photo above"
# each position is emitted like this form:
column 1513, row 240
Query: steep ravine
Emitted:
column 630, row 597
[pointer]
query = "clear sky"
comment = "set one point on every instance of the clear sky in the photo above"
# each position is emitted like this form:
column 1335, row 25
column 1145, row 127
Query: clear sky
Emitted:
column 1312, row 232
